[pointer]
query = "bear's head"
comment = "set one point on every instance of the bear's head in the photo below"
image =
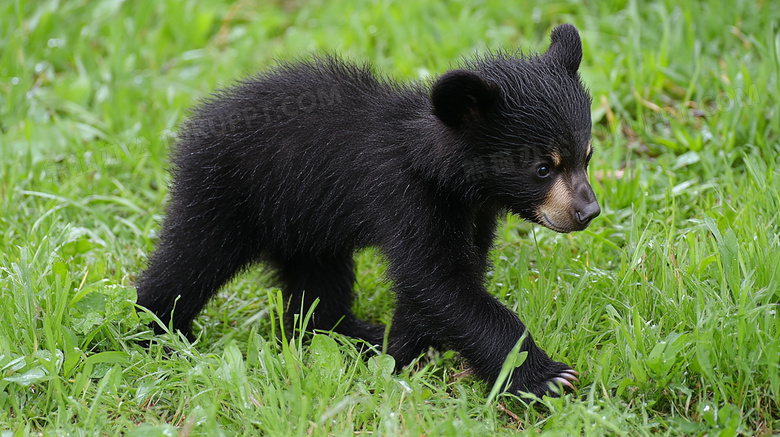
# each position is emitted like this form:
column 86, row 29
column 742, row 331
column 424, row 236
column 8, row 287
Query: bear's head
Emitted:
column 522, row 125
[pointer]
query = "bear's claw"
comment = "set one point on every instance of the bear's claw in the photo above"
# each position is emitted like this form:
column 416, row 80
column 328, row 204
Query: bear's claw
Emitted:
column 564, row 379
column 571, row 375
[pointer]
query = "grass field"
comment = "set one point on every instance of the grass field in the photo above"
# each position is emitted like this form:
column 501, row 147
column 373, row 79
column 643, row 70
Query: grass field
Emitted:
column 667, row 305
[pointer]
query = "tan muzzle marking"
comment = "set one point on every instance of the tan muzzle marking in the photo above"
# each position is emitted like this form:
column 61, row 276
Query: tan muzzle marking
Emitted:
column 555, row 212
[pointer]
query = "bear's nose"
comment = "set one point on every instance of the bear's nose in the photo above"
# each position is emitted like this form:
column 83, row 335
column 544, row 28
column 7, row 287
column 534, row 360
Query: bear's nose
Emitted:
column 588, row 213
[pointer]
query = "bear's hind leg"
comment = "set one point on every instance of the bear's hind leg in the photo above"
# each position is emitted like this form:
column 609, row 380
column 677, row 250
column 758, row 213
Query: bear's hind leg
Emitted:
column 329, row 279
column 196, row 255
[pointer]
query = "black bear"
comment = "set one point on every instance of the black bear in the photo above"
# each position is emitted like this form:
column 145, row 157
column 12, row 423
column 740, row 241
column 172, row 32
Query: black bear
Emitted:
column 300, row 166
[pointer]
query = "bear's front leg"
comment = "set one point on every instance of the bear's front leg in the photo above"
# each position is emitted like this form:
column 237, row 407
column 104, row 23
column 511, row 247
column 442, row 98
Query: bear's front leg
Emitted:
column 452, row 308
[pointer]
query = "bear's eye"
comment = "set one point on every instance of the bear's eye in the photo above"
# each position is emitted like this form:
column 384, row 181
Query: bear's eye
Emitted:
column 543, row 171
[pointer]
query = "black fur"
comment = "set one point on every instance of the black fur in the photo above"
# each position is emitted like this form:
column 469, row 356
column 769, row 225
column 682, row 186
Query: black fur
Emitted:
column 302, row 165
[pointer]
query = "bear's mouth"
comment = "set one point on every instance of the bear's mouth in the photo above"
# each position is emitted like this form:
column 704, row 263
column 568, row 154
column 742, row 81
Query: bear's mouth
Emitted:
column 552, row 225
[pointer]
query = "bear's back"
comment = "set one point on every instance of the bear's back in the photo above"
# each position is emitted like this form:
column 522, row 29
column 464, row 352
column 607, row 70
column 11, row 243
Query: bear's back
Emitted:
column 313, row 149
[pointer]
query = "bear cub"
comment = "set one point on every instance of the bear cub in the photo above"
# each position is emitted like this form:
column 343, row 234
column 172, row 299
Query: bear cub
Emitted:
column 300, row 166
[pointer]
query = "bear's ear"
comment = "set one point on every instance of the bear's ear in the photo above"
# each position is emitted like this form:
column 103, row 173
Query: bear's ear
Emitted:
column 565, row 48
column 461, row 97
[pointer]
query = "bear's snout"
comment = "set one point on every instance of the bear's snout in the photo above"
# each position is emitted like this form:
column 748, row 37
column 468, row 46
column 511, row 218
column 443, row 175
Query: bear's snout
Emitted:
column 570, row 205
column 588, row 213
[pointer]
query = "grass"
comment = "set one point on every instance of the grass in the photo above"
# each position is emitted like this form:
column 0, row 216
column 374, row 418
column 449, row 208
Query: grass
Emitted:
column 667, row 305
